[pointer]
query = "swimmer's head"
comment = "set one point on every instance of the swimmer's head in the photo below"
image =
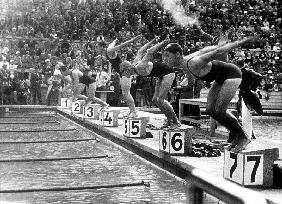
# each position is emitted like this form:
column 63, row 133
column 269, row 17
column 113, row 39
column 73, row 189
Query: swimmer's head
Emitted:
column 172, row 54
column 63, row 70
column 173, row 48
column 126, row 68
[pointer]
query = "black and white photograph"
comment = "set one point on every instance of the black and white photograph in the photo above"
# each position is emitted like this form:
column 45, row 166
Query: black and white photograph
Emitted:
column 140, row 102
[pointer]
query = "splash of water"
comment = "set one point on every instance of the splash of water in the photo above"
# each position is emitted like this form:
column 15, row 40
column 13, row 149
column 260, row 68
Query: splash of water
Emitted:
column 177, row 11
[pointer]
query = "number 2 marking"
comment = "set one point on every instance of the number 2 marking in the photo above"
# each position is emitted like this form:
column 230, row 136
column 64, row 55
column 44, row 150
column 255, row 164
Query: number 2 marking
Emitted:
column 256, row 159
column 234, row 166
column 76, row 107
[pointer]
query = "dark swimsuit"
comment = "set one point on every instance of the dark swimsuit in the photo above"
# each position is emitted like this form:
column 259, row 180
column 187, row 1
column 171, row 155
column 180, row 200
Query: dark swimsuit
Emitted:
column 115, row 63
column 85, row 79
column 220, row 71
column 160, row 70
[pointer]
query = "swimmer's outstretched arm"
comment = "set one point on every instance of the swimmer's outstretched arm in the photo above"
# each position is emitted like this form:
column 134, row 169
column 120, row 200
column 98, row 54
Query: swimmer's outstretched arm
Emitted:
column 113, row 47
column 157, row 46
column 229, row 46
column 205, row 35
column 142, row 51
column 154, row 49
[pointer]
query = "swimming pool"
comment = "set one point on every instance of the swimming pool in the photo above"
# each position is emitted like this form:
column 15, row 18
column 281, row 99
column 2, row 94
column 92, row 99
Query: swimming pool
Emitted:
column 69, row 166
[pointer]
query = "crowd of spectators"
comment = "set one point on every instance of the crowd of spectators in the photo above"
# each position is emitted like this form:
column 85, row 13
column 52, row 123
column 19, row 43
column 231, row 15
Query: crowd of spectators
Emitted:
column 65, row 33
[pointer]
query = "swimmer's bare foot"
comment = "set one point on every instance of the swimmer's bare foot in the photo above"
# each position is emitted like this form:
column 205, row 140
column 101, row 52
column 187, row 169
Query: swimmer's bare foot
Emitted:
column 241, row 144
column 233, row 143
column 166, row 124
column 105, row 107
column 87, row 102
column 132, row 115
column 174, row 125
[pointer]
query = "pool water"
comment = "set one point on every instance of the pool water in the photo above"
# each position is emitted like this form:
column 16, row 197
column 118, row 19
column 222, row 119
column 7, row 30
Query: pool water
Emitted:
column 120, row 167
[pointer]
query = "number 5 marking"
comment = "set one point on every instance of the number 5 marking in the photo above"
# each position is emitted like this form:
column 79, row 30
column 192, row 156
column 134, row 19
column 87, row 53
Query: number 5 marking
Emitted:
column 234, row 166
column 256, row 159
column 135, row 126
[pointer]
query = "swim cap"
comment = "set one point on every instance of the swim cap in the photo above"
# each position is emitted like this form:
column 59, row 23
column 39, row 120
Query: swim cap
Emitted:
column 173, row 48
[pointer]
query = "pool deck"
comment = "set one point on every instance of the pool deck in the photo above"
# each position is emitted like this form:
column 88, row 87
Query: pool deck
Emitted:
column 149, row 148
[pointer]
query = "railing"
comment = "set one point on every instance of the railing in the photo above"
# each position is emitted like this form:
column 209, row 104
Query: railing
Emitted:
column 200, row 182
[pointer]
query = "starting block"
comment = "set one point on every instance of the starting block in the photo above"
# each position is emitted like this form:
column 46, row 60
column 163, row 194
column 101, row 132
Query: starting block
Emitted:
column 252, row 167
column 135, row 127
column 65, row 103
column 109, row 118
column 91, row 111
column 77, row 106
column 176, row 142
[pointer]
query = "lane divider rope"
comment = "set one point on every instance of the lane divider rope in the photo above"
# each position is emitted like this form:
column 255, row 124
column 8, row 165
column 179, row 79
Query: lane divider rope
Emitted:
column 41, row 130
column 47, row 141
column 77, row 188
column 29, row 123
column 44, row 116
column 52, row 159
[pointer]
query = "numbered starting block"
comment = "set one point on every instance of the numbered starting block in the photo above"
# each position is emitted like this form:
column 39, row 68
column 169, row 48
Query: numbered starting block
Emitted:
column 77, row 107
column 91, row 111
column 109, row 118
column 135, row 127
column 252, row 167
column 65, row 103
column 176, row 142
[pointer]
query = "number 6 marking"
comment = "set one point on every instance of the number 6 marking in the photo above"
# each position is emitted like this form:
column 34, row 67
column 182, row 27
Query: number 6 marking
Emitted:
column 175, row 141
column 256, row 159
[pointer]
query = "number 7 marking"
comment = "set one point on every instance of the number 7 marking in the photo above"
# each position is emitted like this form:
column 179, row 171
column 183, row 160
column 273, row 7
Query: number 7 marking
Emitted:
column 256, row 159
column 234, row 166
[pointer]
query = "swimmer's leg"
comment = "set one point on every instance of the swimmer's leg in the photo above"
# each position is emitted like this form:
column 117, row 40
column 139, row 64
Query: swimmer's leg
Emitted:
column 165, row 106
column 125, row 83
column 218, row 110
column 91, row 97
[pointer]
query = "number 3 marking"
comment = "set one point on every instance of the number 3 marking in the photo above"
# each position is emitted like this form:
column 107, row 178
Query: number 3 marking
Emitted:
column 91, row 111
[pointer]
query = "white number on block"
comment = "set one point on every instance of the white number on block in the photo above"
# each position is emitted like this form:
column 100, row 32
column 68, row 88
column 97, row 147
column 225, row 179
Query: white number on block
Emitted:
column 89, row 112
column 253, row 170
column 108, row 118
column 164, row 140
column 177, row 142
column 126, row 127
column 233, row 166
column 135, row 128
column 64, row 103
column 76, row 107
